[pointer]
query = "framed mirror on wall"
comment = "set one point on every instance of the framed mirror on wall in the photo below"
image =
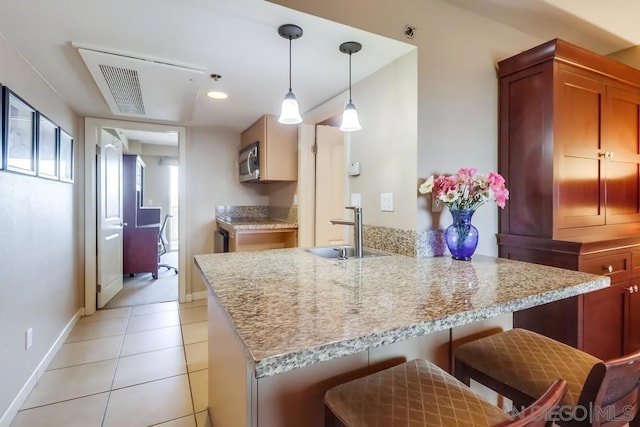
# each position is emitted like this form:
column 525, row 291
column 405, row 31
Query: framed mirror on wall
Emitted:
column 2, row 125
column 18, row 134
column 47, row 147
column 65, row 159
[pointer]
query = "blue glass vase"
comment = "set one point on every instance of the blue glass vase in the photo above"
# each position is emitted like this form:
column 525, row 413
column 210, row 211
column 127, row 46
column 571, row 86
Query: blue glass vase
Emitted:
column 461, row 236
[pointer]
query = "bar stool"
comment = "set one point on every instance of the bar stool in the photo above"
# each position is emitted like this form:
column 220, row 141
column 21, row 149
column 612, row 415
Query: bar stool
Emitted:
column 519, row 364
column 418, row 393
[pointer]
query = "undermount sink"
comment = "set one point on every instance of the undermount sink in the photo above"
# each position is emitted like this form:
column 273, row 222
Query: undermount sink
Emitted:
column 333, row 251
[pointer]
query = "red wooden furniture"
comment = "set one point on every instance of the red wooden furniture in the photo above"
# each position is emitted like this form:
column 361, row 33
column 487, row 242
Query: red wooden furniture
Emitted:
column 569, row 149
column 142, row 225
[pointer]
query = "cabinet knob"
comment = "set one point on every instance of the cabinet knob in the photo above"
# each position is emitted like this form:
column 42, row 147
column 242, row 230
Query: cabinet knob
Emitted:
column 635, row 288
column 609, row 268
column 607, row 154
column 631, row 289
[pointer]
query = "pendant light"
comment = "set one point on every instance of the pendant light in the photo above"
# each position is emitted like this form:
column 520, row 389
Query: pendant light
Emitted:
column 290, row 113
column 350, row 120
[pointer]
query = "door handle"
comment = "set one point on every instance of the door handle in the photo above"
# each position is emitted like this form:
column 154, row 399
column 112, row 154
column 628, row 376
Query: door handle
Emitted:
column 123, row 224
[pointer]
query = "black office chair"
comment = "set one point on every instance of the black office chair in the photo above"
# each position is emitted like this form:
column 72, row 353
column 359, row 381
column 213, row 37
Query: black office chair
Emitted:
column 163, row 243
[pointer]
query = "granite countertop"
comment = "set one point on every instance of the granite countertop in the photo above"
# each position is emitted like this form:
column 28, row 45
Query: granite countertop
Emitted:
column 292, row 309
column 253, row 223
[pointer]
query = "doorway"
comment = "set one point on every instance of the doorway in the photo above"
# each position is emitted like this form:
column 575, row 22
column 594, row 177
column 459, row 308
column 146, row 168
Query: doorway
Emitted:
column 151, row 166
column 93, row 127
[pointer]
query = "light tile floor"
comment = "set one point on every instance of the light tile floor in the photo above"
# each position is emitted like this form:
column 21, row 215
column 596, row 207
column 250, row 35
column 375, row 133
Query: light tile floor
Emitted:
column 127, row 367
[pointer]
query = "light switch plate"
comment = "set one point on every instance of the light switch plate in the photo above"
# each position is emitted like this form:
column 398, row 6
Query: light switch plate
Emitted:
column 386, row 202
column 356, row 199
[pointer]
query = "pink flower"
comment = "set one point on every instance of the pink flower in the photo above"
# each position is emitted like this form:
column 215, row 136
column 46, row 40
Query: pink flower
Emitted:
column 467, row 189
column 495, row 179
column 466, row 174
column 501, row 197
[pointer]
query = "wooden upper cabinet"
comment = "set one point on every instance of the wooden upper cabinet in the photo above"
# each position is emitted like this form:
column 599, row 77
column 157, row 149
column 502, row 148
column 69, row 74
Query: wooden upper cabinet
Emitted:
column 580, row 185
column 569, row 144
column 621, row 128
column 278, row 148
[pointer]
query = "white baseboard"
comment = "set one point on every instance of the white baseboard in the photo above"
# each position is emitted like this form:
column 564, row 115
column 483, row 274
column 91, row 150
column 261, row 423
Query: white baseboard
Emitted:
column 26, row 389
column 193, row 297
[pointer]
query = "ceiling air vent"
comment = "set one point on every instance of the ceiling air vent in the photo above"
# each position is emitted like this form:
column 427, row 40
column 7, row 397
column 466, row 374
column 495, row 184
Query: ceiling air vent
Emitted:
column 140, row 87
column 125, row 88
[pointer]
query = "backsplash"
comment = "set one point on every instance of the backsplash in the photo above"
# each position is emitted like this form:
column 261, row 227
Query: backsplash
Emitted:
column 289, row 214
column 242, row 211
column 430, row 243
column 390, row 239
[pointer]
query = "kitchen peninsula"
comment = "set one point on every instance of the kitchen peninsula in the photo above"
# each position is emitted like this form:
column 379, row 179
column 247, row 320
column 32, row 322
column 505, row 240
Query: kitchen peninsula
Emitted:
column 286, row 325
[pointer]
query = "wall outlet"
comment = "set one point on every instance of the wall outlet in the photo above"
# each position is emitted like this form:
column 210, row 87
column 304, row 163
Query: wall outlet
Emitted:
column 356, row 199
column 386, row 202
column 436, row 204
column 28, row 338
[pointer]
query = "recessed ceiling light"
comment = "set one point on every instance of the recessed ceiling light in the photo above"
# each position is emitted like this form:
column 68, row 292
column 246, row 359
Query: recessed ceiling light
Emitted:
column 217, row 95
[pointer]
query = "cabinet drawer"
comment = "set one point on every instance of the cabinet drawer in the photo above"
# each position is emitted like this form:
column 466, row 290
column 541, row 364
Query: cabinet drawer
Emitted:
column 635, row 263
column 617, row 266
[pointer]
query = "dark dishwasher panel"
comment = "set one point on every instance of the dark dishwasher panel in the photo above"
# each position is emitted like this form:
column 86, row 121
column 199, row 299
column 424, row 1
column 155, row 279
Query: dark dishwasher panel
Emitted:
column 221, row 241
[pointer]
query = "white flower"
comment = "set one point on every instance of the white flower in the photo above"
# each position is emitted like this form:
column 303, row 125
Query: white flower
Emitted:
column 427, row 186
column 450, row 196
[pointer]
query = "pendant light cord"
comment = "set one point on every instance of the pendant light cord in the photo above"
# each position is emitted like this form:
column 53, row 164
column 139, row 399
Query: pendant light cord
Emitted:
column 289, row 64
column 349, row 77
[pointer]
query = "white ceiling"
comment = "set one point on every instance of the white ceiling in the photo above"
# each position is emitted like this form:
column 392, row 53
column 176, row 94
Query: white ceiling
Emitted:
column 598, row 25
column 235, row 38
column 148, row 137
column 238, row 39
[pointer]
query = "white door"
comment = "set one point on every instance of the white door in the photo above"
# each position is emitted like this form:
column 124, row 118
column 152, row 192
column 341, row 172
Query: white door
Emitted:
column 330, row 185
column 109, row 197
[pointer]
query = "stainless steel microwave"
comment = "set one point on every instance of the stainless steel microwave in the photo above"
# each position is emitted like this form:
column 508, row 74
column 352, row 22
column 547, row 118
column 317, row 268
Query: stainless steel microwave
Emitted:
column 249, row 163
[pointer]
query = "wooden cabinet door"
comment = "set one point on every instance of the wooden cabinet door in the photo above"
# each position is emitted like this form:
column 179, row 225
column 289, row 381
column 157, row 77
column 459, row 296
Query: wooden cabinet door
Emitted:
column 632, row 318
column 603, row 321
column 256, row 132
column 580, row 191
column 621, row 129
column 279, row 155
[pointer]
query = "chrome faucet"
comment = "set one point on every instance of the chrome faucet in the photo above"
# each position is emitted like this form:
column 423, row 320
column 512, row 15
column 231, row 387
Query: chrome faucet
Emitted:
column 357, row 228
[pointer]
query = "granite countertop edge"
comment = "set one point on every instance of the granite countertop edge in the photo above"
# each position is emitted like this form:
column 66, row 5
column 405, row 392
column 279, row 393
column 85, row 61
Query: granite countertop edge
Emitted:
column 277, row 364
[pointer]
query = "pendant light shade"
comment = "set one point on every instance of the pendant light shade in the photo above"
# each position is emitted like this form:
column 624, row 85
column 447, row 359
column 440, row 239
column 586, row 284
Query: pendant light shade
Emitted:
column 290, row 114
column 350, row 121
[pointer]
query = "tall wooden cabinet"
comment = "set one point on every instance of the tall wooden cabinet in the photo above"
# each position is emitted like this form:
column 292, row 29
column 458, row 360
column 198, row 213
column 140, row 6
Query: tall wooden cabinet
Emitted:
column 569, row 149
column 142, row 224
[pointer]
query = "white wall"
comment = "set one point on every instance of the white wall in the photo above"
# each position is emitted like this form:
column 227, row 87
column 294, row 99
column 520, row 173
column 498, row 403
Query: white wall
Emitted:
column 40, row 243
column 457, row 87
column 386, row 145
column 212, row 179
column 156, row 186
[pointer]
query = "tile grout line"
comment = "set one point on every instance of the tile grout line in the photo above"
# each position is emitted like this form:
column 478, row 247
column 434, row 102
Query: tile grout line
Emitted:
column 186, row 362
column 115, row 371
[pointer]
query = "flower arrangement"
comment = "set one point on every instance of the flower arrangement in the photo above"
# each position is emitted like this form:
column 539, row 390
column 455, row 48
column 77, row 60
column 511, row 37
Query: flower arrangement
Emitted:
column 467, row 190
